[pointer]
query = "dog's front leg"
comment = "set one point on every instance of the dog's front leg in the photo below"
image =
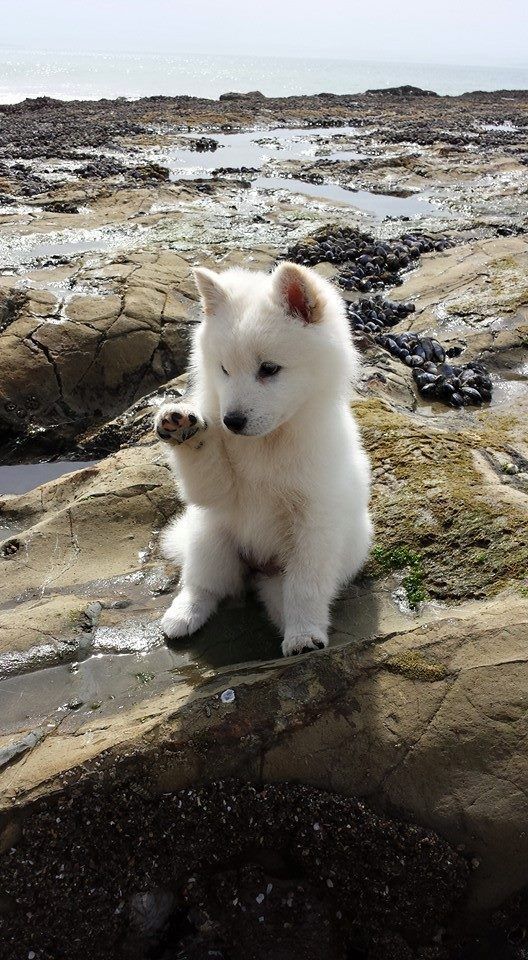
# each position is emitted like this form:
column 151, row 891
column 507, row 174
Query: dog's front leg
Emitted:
column 212, row 569
column 195, row 451
column 310, row 584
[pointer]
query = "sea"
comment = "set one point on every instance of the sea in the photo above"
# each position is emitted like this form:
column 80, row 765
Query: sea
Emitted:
column 92, row 76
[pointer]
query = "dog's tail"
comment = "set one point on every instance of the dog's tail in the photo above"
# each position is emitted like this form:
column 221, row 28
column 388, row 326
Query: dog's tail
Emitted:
column 174, row 537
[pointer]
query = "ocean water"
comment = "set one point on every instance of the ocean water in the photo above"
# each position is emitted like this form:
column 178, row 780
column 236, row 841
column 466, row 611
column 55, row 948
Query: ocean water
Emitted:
column 83, row 76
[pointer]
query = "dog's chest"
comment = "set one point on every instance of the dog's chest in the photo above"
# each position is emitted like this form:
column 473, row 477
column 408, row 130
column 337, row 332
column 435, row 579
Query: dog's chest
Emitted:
column 262, row 517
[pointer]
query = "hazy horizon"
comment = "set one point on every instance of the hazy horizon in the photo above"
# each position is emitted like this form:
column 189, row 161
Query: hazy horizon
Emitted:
column 183, row 52
column 465, row 34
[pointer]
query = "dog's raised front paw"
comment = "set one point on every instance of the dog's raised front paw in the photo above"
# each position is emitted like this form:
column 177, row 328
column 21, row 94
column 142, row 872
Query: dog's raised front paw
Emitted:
column 176, row 423
column 303, row 643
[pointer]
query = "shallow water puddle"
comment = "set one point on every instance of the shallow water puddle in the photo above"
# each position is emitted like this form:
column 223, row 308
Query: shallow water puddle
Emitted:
column 379, row 205
column 126, row 659
column 103, row 683
column 254, row 149
column 126, row 662
column 22, row 477
column 19, row 250
column 511, row 387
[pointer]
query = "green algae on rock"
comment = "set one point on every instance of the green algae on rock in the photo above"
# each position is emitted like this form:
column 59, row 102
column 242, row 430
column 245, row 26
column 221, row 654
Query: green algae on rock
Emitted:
column 398, row 558
column 415, row 666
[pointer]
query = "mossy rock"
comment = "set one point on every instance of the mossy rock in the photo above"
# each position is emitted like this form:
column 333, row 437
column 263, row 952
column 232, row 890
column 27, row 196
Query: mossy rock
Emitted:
column 413, row 665
column 430, row 497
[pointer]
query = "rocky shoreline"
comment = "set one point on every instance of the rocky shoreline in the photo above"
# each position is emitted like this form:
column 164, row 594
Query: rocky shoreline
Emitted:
column 416, row 205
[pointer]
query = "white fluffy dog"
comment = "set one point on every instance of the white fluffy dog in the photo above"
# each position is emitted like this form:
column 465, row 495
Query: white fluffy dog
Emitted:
column 267, row 454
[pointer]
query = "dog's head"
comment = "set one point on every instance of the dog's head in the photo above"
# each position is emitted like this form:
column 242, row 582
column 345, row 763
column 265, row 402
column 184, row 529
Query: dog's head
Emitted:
column 272, row 343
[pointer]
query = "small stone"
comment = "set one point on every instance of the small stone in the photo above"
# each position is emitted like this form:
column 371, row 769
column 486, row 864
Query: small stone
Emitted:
column 228, row 696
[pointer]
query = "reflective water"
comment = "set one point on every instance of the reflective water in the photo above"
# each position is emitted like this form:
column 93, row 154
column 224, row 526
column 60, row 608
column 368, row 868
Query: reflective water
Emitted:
column 89, row 76
column 256, row 150
column 21, row 477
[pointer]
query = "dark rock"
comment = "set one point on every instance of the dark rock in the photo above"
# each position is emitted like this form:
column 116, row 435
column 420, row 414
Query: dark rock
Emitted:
column 406, row 90
column 251, row 95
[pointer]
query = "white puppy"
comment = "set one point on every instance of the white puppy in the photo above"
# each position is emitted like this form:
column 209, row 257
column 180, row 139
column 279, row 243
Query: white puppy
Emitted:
column 267, row 454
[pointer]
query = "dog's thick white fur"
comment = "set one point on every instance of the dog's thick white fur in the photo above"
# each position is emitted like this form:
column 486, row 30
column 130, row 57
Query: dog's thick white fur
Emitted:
column 283, row 488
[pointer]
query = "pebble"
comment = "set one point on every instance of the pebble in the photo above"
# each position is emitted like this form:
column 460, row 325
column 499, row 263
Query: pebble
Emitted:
column 203, row 144
column 228, row 696
column 150, row 911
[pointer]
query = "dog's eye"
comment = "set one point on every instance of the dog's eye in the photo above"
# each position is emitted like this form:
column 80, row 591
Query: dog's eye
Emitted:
column 224, row 370
column 269, row 369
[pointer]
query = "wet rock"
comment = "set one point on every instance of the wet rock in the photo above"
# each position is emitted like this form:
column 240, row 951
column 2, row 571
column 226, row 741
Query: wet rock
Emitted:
column 75, row 703
column 61, row 206
column 203, row 144
column 88, row 357
column 106, row 167
column 14, row 750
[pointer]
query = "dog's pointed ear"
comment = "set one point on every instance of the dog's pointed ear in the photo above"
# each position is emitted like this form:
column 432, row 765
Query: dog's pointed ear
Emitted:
column 210, row 288
column 297, row 292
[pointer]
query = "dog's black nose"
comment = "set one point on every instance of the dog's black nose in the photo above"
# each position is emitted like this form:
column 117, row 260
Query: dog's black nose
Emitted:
column 235, row 422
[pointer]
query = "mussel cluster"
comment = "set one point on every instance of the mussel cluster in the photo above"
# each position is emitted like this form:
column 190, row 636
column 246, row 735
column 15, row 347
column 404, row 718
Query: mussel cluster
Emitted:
column 369, row 263
column 413, row 350
column 457, row 386
column 435, row 378
column 203, row 144
column 373, row 314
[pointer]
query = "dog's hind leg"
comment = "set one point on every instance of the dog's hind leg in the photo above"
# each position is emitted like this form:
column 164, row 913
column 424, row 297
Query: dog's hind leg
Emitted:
column 270, row 592
column 212, row 569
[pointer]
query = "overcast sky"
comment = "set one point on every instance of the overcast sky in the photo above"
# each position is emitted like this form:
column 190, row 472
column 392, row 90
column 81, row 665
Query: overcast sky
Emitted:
column 423, row 31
